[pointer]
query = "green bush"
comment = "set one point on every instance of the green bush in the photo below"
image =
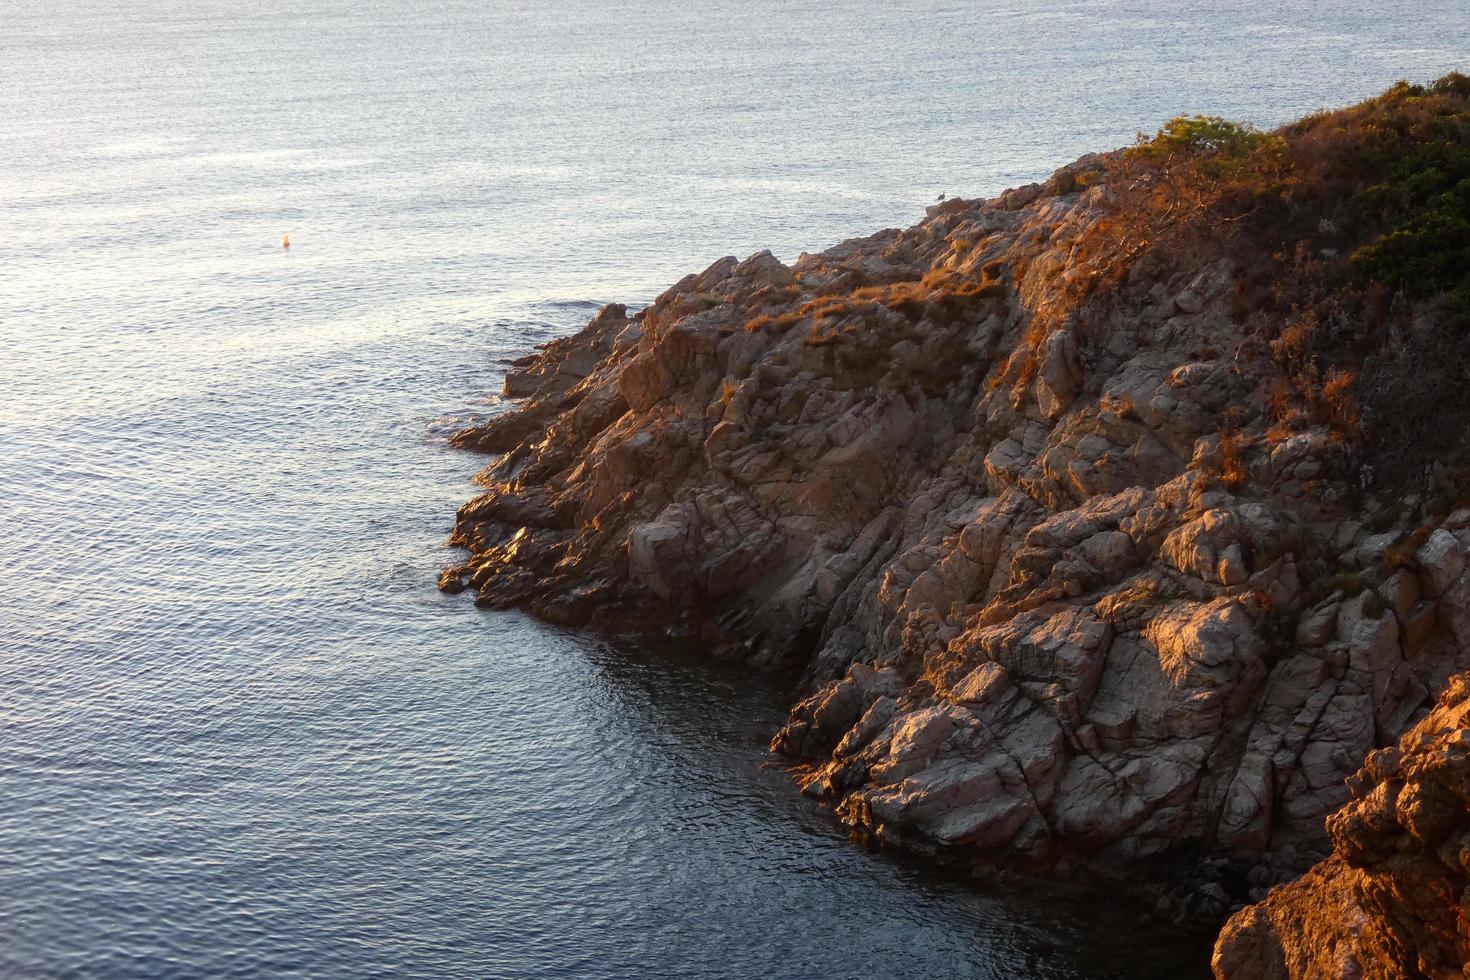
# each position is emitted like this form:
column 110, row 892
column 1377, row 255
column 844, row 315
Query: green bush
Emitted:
column 1415, row 153
column 1428, row 248
column 1205, row 135
column 1216, row 147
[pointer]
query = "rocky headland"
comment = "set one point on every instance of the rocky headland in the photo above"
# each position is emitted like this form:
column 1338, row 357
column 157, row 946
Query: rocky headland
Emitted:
column 1111, row 523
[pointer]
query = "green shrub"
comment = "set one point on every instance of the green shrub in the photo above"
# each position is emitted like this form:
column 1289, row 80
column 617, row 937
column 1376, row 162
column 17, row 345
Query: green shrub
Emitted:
column 1428, row 248
column 1409, row 150
column 1204, row 136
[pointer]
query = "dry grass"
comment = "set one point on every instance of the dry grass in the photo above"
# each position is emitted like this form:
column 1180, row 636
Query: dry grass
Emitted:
column 1338, row 404
column 1401, row 554
column 1233, row 473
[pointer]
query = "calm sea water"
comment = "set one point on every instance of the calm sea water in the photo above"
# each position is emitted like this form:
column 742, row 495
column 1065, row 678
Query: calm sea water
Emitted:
column 240, row 732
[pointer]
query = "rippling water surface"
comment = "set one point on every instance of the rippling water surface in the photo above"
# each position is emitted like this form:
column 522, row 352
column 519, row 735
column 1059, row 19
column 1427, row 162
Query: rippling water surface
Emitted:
column 240, row 732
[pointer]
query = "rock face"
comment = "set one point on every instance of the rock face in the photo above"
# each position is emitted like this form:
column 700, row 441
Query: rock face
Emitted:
column 1063, row 586
column 1393, row 900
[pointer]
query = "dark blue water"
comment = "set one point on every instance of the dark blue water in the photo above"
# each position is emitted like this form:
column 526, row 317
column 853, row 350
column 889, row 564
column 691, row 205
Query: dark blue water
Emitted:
column 240, row 731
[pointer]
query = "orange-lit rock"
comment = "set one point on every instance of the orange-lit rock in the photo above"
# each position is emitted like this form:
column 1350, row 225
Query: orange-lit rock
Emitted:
column 1393, row 899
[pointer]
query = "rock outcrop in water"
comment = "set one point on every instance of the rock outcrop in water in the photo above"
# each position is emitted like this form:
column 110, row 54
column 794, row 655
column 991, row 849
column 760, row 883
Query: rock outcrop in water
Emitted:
column 1113, row 521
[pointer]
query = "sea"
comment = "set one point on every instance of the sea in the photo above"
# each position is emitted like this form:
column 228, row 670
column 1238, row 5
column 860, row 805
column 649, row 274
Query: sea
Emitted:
column 241, row 733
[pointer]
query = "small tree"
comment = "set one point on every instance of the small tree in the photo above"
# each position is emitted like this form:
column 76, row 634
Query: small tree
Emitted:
column 1203, row 137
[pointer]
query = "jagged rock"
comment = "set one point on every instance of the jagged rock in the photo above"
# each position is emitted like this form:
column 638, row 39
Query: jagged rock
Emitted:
column 1393, row 898
column 1317, row 626
column 1059, row 376
column 1441, row 559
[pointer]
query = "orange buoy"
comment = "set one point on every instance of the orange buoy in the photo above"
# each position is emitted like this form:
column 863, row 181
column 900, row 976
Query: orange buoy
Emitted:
column 285, row 241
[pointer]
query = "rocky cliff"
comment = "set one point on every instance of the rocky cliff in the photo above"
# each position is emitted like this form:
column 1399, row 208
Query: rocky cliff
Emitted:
column 1393, row 900
column 1111, row 522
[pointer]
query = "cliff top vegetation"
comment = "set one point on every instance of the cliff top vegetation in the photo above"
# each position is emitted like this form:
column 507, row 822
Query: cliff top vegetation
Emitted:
column 1350, row 231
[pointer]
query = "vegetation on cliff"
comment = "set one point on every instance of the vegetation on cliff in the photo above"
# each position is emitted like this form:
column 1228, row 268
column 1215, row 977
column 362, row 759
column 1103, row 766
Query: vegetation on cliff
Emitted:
column 1335, row 223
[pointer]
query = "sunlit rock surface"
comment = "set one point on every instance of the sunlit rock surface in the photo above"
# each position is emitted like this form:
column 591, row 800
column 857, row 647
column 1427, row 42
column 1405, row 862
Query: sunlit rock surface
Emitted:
column 1393, row 899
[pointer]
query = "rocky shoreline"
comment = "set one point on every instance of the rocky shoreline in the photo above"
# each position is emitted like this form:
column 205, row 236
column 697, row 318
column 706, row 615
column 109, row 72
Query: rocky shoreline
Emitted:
column 1079, row 511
